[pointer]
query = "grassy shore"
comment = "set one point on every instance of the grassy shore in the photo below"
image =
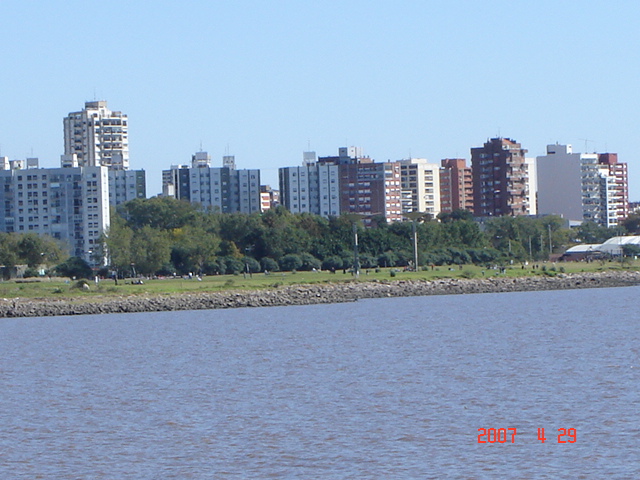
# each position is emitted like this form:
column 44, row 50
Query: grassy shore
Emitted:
column 56, row 288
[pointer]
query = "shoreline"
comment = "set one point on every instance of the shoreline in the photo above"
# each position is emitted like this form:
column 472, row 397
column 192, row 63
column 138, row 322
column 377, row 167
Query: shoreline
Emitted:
column 310, row 294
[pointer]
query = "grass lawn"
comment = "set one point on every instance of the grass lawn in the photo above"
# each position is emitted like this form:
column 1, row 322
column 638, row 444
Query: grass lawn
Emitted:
column 64, row 288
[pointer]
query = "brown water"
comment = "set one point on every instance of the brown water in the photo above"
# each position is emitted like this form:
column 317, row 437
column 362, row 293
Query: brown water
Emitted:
column 376, row 389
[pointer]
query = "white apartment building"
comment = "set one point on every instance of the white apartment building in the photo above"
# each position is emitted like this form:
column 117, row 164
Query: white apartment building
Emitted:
column 420, row 182
column 125, row 185
column 311, row 188
column 531, row 185
column 70, row 203
column 575, row 186
column 98, row 136
column 222, row 189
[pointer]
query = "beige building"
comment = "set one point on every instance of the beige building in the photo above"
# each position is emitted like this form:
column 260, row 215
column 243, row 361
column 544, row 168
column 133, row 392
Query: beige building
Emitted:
column 420, row 184
column 97, row 136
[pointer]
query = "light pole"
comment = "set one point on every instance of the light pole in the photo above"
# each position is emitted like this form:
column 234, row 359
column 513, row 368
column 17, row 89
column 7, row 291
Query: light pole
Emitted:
column 355, row 217
column 414, row 216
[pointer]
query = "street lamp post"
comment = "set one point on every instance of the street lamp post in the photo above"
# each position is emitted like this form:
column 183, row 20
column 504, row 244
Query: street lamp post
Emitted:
column 414, row 217
column 355, row 217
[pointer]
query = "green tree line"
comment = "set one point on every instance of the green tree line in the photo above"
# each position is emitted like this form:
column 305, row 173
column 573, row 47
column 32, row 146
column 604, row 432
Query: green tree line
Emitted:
column 166, row 236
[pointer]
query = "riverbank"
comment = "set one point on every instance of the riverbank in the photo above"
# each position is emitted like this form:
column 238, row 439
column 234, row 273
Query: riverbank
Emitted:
column 311, row 294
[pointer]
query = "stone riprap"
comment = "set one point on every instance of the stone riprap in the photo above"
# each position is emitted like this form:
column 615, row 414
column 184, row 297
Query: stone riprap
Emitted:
column 310, row 294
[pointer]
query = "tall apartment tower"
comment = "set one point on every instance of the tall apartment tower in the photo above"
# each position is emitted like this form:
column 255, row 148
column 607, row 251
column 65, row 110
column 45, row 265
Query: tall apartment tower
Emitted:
column 582, row 186
column 311, row 188
column 367, row 187
column 499, row 178
column 222, row 189
column 420, row 182
column 456, row 185
column 619, row 197
column 98, row 136
column 69, row 203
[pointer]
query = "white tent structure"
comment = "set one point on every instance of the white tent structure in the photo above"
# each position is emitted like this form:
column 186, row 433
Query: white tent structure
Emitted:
column 613, row 246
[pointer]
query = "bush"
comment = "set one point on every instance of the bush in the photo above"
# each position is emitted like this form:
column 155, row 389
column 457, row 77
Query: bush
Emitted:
column 332, row 263
column 309, row 262
column 74, row 267
column 252, row 264
column 387, row 259
column 31, row 272
column 367, row 261
column 290, row 262
column 269, row 264
column 233, row 265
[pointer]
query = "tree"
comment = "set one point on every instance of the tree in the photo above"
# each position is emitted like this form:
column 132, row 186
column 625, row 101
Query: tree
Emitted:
column 150, row 250
column 118, row 242
column 35, row 250
column 163, row 213
column 74, row 267
column 290, row 262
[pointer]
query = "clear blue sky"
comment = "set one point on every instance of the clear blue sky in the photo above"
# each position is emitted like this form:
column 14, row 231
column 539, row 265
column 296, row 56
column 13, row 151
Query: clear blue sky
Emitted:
column 265, row 80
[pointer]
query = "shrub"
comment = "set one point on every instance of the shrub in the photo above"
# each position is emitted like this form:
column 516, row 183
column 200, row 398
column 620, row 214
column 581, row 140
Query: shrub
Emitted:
column 309, row 262
column 269, row 264
column 333, row 262
column 233, row 265
column 252, row 264
column 74, row 267
column 290, row 262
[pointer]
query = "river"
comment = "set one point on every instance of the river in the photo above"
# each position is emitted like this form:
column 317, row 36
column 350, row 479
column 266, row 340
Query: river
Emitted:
column 393, row 388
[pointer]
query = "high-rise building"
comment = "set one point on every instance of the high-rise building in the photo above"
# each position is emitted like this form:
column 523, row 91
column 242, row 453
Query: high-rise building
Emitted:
column 311, row 188
column 70, row 203
column 499, row 178
column 98, row 136
column 222, row 189
column 366, row 187
column 420, row 182
column 582, row 186
column 456, row 185
column 125, row 185
column 620, row 194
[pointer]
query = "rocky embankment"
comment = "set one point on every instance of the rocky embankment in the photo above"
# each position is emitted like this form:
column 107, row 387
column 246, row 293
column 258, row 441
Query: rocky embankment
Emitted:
column 310, row 294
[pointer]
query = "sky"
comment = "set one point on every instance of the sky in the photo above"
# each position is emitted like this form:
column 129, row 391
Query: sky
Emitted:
column 267, row 80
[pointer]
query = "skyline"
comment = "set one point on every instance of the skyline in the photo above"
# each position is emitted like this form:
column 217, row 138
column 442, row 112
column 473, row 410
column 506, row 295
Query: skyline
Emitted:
column 267, row 82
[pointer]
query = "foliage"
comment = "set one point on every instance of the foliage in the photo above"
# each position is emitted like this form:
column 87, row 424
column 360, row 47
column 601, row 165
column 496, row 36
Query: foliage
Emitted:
column 157, row 234
column 290, row 262
column 268, row 264
column 74, row 267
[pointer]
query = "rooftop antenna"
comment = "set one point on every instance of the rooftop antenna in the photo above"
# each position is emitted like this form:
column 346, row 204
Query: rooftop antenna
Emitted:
column 585, row 143
column 226, row 150
column 200, row 145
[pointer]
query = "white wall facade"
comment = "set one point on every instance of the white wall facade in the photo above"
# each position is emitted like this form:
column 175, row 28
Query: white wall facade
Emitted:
column 420, row 182
column 98, row 136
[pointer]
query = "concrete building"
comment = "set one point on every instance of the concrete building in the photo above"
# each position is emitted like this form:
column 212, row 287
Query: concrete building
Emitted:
column 311, row 188
column 582, row 186
column 499, row 179
column 98, row 136
column 125, row 185
column 367, row 187
column 456, row 185
column 532, row 185
column 269, row 198
column 70, row 203
column 222, row 189
column 619, row 197
column 420, row 182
